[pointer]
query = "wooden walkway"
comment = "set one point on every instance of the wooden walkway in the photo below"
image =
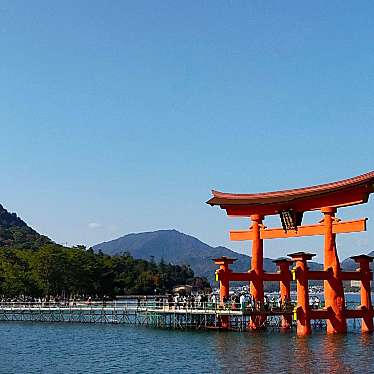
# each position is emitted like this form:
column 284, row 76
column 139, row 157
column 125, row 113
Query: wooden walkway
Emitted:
column 164, row 316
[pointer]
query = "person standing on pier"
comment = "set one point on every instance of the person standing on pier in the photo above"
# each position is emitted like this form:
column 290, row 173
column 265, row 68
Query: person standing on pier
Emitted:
column 176, row 301
column 214, row 301
column 242, row 301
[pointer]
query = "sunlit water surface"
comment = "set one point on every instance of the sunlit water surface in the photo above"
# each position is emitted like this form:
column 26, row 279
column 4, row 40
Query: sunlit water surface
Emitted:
column 84, row 348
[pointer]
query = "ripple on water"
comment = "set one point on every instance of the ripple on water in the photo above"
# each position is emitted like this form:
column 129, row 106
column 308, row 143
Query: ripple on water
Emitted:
column 77, row 348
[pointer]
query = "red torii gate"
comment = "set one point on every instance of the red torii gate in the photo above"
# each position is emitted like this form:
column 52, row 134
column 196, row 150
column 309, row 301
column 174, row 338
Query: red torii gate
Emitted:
column 290, row 205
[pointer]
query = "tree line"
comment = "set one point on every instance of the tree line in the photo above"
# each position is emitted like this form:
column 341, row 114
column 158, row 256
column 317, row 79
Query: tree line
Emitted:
column 52, row 270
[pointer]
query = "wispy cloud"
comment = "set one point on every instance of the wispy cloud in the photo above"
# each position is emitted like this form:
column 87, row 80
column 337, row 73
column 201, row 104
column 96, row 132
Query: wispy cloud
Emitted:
column 94, row 225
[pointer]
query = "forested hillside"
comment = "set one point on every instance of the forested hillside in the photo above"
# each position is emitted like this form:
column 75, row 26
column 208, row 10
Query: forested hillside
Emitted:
column 53, row 270
column 15, row 232
column 32, row 265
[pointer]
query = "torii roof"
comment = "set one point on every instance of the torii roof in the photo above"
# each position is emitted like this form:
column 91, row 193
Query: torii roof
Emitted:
column 346, row 192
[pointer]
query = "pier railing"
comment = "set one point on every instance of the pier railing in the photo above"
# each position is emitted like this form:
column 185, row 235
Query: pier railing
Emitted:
column 165, row 305
column 155, row 313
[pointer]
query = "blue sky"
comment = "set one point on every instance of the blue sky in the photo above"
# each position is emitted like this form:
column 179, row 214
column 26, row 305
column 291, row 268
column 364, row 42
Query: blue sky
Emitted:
column 120, row 117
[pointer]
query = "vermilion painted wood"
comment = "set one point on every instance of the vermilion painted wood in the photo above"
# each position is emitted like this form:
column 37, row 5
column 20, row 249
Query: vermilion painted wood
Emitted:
column 351, row 275
column 318, row 274
column 303, row 310
column 333, row 286
column 326, row 198
column 319, row 314
column 347, row 192
column 285, row 289
column 366, row 304
column 307, row 230
column 256, row 286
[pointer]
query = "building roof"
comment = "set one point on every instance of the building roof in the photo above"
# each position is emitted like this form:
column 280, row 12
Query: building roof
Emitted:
column 346, row 192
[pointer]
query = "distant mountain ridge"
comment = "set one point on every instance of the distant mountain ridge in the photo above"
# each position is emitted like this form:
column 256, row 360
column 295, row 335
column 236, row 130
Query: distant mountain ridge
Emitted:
column 350, row 265
column 179, row 248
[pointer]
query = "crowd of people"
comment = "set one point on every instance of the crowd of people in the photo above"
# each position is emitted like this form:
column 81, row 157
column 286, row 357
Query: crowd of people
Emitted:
column 237, row 301
column 245, row 301
column 37, row 300
column 193, row 301
column 54, row 300
column 180, row 301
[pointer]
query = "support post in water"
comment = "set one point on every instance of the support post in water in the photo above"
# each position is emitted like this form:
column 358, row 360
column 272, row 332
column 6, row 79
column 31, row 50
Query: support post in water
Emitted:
column 285, row 290
column 257, row 285
column 333, row 286
column 223, row 276
column 366, row 304
column 303, row 308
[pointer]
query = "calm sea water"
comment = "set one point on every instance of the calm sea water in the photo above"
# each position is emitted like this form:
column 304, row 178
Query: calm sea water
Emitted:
column 84, row 348
column 78, row 348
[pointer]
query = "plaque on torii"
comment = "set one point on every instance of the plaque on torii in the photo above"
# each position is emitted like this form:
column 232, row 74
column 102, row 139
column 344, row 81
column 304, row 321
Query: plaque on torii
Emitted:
column 291, row 205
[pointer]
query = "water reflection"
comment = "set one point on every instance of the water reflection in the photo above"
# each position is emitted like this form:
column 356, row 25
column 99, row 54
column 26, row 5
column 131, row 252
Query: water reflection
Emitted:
column 336, row 354
column 287, row 353
column 61, row 348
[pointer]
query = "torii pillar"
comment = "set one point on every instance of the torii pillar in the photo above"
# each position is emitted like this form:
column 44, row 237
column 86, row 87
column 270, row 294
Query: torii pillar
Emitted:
column 257, row 269
column 334, row 290
column 366, row 304
column 285, row 289
column 303, row 308
column 223, row 276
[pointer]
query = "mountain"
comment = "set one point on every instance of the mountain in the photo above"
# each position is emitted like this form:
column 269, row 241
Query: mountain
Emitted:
column 349, row 265
column 178, row 248
column 16, row 233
